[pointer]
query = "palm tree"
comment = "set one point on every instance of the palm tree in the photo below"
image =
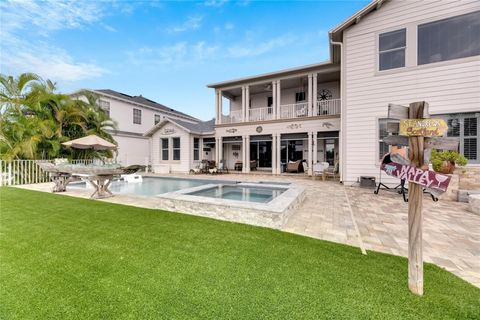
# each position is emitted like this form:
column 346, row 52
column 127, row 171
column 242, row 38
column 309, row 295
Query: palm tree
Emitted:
column 35, row 120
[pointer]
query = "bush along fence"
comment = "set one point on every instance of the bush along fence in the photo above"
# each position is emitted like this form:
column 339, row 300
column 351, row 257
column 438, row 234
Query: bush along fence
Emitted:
column 18, row 172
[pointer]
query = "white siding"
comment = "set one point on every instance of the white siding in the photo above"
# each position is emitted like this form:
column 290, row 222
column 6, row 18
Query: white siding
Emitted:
column 132, row 150
column 448, row 87
column 170, row 131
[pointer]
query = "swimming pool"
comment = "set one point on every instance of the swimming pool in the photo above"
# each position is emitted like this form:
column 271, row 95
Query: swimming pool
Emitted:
column 150, row 186
column 240, row 193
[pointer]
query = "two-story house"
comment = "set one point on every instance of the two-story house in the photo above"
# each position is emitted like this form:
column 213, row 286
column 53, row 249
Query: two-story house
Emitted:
column 388, row 52
column 135, row 115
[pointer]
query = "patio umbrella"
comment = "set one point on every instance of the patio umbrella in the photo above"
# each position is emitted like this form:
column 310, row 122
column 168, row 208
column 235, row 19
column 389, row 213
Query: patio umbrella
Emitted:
column 90, row 142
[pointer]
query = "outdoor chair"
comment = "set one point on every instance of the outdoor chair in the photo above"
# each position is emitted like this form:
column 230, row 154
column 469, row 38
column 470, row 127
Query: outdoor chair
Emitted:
column 295, row 166
column 253, row 165
column 222, row 167
column 331, row 172
column 318, row 168
column 238, row 166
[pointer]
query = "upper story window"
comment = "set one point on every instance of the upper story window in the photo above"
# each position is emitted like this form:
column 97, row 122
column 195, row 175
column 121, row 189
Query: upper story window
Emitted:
column 300, row 96
column 105, row 106
column 447, row 39
column 391, row 49
column 137, row 116
column 157, row 118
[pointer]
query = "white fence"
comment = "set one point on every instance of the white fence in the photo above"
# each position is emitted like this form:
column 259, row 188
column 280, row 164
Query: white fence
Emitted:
column 17, row 172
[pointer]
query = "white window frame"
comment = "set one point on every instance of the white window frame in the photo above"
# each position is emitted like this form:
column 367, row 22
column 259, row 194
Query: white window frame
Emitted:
column 138, row 116
column 197, row 149
column 155, row 118
column 162, row 149
column 405, row 48
column 179, row 149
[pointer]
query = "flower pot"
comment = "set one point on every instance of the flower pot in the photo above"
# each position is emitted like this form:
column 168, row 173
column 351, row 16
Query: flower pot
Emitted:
column 447, row 167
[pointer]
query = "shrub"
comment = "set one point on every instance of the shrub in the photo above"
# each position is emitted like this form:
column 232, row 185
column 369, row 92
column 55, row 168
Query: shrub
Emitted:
column 438, row 157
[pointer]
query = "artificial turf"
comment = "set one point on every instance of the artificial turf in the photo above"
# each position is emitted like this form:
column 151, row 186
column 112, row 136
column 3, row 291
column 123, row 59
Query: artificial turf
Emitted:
column 69, row 258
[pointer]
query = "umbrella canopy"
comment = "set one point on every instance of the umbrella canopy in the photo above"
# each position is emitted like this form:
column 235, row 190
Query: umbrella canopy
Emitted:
column 90, row 142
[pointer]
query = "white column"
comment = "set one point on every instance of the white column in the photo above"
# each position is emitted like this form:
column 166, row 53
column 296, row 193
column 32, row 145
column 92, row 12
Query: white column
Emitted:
column 274, row 99
column 315, row 147
column 274, row 154
column 314, row 95
column 220, row 106
column 310, row 153
column 220, row 150
column 247, row 103
column 244, row 118
column 279, row 154
column 279, row 100
column 247, row 160
column 217, row 114
column 217, row 150
column 310, row 90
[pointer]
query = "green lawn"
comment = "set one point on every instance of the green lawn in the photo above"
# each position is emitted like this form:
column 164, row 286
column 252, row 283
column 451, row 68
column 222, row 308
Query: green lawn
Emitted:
column 66, row 258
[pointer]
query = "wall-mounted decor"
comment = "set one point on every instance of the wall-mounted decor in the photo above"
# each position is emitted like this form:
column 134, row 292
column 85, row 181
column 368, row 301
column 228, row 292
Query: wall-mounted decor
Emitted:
column 232, row 130
column 328, row 125
column 324, row 94
column 235, row 154
column 294, row 126
column 259, row 129
column 168, row 131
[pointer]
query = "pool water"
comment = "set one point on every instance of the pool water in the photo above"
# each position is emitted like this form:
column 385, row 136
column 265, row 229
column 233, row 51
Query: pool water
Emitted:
column 154, row 186
column 240, row 193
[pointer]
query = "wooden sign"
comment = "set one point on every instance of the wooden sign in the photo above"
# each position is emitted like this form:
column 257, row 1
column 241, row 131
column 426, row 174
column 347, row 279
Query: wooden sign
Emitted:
column 426, row 178
column 396, row 111
column 442, row 143
column 393, row 127
column 396, row 140
column 423, row 127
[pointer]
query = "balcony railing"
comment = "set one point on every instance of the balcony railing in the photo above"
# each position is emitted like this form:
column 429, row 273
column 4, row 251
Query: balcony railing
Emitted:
column 233, row 117
column 327, row 107
column 261, row 114
column 287, row 111
column 294, row 110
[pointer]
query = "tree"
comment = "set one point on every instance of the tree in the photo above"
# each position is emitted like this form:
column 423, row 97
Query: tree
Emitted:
column 35, row 120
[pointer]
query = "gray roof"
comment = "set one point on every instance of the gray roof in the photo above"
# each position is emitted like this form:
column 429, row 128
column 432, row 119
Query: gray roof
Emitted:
column 200, row 127
column 144, row 101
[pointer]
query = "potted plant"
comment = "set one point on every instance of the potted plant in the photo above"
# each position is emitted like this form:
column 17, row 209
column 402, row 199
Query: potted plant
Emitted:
column 445, row 161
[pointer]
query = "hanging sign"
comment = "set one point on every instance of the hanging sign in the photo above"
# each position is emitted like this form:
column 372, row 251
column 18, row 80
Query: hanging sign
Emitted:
column 423, row 127
column 426, row 178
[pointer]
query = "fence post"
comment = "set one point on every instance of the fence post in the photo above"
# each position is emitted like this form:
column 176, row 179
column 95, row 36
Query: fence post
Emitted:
column 10, row 173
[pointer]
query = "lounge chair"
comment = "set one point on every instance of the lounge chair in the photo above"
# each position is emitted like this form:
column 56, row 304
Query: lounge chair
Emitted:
column 253, row 165
column 295, row 166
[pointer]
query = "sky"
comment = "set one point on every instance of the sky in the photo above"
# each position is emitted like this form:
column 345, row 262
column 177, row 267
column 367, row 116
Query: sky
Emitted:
column 167, row 51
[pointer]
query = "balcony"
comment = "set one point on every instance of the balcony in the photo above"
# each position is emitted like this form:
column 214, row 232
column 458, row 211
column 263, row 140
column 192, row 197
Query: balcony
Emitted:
column 287, row 111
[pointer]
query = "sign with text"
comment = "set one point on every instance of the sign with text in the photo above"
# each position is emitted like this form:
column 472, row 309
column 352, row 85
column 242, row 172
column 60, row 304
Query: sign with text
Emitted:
column 423, row 127
column 426, row 178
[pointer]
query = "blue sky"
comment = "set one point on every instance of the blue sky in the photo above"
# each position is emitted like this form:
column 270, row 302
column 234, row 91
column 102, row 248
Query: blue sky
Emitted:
column 166, row 51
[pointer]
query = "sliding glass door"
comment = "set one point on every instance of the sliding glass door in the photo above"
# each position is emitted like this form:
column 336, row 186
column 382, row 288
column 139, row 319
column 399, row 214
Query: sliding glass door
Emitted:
column 261, row 151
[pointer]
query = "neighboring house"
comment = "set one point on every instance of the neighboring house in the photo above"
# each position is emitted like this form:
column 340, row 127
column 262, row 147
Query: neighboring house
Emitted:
column 388, row 52
column 135, row 115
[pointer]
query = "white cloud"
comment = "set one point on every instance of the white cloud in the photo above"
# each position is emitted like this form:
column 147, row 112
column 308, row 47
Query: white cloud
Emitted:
column 177, row 54
column 40, row 19
column 109, row 28
column 192, row 23
column 215, row 3
column 256, row 49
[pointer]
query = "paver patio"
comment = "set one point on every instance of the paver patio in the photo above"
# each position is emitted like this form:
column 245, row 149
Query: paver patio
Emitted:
column 357, row 217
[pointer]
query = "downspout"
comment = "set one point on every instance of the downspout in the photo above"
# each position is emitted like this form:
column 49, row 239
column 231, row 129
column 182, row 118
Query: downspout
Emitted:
column 342, row 111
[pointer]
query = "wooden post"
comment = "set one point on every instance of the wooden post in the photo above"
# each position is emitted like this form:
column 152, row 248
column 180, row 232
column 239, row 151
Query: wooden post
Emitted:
column 415, row 192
